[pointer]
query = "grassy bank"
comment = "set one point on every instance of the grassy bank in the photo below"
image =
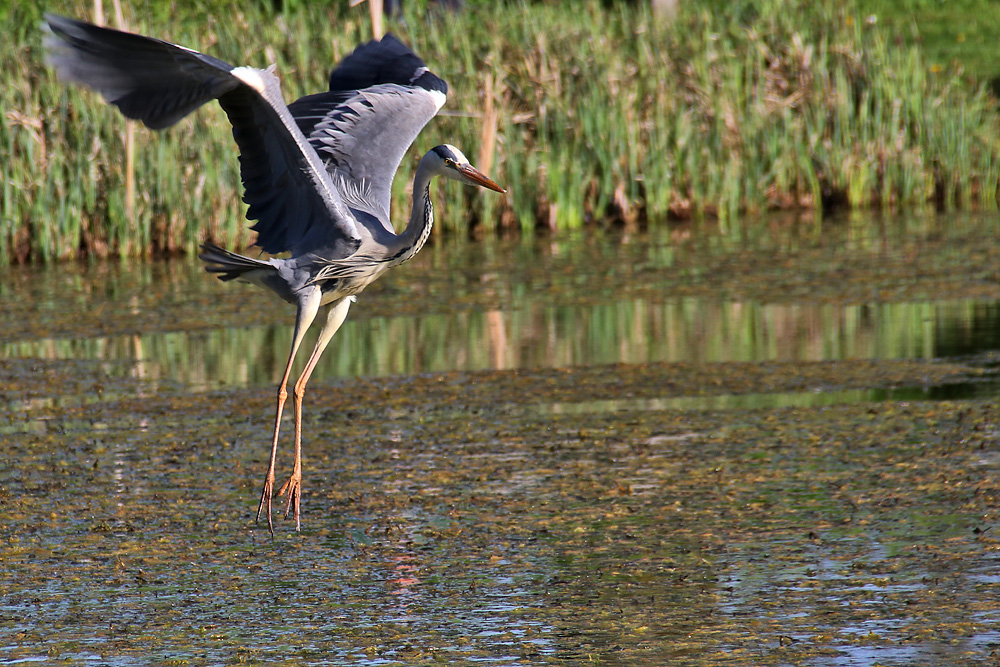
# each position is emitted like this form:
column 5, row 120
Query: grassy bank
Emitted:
column 957, row 33
column 585, row 114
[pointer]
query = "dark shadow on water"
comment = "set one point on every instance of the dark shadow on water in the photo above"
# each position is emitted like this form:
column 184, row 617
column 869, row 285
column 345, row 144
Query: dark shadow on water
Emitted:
column 979, row 333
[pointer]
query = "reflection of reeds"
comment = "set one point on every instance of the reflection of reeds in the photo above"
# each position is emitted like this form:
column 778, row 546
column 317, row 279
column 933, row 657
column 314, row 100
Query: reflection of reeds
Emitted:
column 584, row 114
column 538, row 335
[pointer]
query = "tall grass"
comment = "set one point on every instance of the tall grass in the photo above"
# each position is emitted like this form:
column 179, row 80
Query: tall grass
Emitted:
column 586, row 115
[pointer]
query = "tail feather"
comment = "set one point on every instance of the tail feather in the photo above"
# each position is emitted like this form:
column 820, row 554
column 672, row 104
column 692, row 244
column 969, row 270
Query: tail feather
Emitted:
column 229, row 265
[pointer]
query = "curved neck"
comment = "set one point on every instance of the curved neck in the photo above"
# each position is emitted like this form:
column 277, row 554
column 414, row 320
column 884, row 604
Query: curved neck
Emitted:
column 418, row 230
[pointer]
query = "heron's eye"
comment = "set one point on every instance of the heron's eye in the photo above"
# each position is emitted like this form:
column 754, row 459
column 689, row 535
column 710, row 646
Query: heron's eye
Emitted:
column 449, row 162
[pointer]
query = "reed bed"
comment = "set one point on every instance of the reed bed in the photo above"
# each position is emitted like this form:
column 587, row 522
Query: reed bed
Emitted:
column 588, row 115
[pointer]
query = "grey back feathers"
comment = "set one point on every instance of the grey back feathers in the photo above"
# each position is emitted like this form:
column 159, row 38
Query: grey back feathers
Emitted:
column 380, row 97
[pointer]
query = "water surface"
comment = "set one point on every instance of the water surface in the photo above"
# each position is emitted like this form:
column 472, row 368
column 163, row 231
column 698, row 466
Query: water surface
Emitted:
column 772, row 444
column 896, row 289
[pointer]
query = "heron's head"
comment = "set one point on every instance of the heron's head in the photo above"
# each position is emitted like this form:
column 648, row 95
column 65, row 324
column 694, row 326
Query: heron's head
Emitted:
column 452, row 163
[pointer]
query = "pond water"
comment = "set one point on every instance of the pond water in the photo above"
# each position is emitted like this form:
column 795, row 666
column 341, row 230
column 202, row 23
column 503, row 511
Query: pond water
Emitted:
column 682, row 295
column 766, row 443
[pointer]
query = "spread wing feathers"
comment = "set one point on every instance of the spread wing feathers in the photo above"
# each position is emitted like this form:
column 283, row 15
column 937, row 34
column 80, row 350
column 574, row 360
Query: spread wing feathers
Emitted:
column 290, row 194
column 380, row 97
column 147, row 79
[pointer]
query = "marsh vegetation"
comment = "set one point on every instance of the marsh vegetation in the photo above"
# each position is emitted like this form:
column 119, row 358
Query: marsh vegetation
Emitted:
column 592, row 115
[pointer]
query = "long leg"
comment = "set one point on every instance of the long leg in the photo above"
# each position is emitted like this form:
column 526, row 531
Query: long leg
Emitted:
column 304, row 316
column 334, row 318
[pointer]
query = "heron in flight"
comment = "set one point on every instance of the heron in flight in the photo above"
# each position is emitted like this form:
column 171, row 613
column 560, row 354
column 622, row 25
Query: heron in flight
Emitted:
column 317, row 173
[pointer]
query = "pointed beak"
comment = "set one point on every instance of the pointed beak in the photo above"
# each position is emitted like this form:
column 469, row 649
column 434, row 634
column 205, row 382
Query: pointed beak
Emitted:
column 478, row 177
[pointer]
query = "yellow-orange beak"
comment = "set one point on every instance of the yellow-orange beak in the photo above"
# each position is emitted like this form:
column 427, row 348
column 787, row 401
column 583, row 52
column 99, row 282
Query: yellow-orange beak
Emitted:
column 478, row 177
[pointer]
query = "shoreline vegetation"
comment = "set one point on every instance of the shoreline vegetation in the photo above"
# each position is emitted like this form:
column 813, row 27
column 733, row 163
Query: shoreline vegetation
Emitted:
column 589, row 115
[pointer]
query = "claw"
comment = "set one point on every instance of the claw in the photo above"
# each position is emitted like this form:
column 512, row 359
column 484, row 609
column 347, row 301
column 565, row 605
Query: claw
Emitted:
column 265, row 502
column 293, row 487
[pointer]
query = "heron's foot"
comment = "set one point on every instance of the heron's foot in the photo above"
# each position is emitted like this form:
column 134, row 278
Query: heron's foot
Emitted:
column 265, row 501
column 293, row 487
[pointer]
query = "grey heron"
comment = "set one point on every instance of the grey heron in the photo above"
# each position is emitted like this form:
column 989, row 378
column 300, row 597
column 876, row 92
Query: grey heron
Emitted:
column 316, row 173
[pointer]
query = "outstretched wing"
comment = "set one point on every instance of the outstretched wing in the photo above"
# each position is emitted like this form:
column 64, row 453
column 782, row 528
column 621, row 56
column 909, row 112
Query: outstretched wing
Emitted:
column 380, row 97
column 288, row 190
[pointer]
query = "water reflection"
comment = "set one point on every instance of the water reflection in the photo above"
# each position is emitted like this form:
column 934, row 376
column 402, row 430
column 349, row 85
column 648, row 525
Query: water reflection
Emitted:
column 542, row 335
column 793, row 294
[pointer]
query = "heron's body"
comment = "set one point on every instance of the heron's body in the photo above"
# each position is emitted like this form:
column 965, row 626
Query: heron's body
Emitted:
column 317, row 173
